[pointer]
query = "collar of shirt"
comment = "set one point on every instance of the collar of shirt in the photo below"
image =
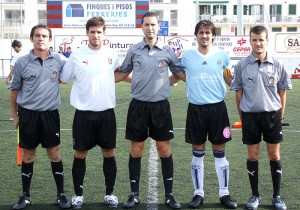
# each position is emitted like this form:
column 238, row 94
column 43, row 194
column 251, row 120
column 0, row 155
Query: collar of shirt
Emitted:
column 159, row 44
column 252, row 59
column 33, row 56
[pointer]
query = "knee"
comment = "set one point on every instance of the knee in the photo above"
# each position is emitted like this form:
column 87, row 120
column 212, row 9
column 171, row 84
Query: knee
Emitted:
column 108, row 153
column 164, row 151
column 28, row 155
column 53, row 154
column 80, row 154
column 136, row 150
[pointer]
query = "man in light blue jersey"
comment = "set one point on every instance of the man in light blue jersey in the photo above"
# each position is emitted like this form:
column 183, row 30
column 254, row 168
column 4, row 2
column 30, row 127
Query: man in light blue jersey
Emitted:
column 207, row 117
column 260, row 83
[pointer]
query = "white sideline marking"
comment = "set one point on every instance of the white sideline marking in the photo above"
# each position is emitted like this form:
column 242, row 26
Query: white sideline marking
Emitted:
column 152, row 198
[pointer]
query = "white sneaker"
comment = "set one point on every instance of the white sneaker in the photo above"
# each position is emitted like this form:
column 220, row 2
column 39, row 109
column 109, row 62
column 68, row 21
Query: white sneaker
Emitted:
column 253, row 202
column 278, row 203
column 111, row 201
column 77, row 202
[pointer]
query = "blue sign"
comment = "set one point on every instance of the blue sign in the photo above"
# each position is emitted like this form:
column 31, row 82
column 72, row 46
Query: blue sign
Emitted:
column 164, row 28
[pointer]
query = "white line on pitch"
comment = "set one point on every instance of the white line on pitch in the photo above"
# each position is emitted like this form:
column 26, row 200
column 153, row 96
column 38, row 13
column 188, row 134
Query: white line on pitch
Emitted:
column 152, row 199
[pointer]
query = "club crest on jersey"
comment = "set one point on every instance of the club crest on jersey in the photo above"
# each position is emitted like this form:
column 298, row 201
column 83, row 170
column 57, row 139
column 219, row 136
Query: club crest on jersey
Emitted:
column 271, row 80
column 109, row 61
column 219, row 62
column 86, row 62
column 160, row 64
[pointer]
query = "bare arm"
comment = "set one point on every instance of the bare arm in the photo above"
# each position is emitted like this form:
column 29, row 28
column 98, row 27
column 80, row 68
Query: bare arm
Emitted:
column 282, row 94
column 120, row 76
column 175, row 78
column 9, row 77
column 180, row 75
column 238, row 96
column 14, row 106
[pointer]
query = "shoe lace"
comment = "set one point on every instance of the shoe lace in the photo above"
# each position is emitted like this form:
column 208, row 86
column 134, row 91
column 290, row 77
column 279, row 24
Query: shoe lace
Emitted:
column 171, row 199
column 254, row 199
column 230, row 198
column 111, row 199
column 21, row 199
column 278, row 200
column 77, row 200
column 62, row 198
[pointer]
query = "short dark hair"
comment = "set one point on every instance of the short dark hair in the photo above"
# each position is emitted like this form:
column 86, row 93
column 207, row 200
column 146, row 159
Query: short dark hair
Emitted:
column 150, row 14
column 259, row 30
column 16, row 43
column 205, row 23
column 40, row 26
column 95, row 21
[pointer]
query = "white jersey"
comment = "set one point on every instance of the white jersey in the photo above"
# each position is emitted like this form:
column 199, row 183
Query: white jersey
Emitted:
column 15, row 58
column 94, row 85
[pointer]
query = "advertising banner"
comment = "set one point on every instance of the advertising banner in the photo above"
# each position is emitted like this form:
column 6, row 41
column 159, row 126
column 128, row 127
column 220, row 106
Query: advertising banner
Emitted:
column 116, row 13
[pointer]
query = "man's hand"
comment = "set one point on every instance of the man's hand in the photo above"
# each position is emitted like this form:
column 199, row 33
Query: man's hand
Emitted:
column 227, row 76
column 16, row 121
column 8, row 80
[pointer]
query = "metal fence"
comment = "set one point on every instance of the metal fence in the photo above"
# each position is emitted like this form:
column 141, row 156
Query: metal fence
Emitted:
column 4, row 67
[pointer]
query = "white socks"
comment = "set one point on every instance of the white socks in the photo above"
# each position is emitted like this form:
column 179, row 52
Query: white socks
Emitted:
column 197, row 172
column 222, row 170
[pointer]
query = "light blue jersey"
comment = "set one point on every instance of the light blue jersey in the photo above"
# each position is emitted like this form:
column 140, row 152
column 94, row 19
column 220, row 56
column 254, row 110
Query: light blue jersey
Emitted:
column 204, row 76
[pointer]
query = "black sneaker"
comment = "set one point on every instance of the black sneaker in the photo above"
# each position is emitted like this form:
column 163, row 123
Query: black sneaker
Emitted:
column 196, row 202
column 23, row 202
column 62, row 201
column 228, row 201
column 171, row 202
column 133, row 200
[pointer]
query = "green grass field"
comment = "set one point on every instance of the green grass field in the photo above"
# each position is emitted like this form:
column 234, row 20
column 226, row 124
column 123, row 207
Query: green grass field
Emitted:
column 43, row 188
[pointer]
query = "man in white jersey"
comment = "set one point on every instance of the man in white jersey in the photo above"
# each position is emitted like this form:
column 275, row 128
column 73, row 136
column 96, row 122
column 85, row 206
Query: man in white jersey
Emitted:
column 93, row 96
column 17, row 46
column 260, row 83
column 207, row 113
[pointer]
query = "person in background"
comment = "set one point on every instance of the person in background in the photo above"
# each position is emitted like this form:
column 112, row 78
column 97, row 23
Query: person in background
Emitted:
column 17, row 47
column 172, row 46
column 260, row 83
column 61, row 50
column 35, row 98
column 179, row 52
column 93, row 96
column 51, row 49
column 68, row 52
column 149, row 111
column 207, row 117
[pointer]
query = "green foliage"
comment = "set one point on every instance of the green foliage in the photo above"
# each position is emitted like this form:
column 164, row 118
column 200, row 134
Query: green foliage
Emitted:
column 43, row 188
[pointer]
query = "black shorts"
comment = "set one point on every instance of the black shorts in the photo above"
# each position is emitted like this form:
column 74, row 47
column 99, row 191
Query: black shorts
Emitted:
column 38, row 127
column 149, row 119
column 210, row 120
column 267, row 124
column 94, row 128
